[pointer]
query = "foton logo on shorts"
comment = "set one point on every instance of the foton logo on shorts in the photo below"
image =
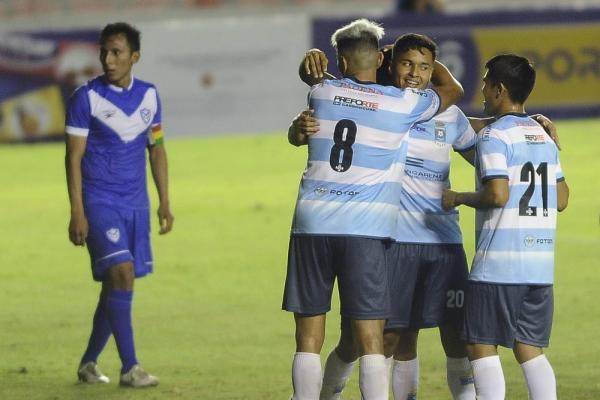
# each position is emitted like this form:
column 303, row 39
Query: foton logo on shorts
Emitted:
column 355, row 103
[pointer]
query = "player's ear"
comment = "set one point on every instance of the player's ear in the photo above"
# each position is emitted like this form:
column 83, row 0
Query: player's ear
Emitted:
column 342, row 64
column 135, row 57
column 380, row 58
column 501, row 90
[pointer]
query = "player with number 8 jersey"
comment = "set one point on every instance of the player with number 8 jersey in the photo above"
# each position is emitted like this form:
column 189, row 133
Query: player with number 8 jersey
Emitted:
column 351, row 184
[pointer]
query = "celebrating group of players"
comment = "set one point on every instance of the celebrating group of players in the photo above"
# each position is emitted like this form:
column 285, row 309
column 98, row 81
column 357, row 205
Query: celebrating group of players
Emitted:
column 375, row 211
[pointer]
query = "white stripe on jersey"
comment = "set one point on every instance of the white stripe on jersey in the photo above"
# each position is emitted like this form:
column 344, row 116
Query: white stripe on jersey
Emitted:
column 127, row 127
column 509, row 218
column 515, row 135
column 410, row 98
column 493, row 161
column 421, row 187
column 71, row 130
column 426, row 149
column 368, row 136
column 322, row 171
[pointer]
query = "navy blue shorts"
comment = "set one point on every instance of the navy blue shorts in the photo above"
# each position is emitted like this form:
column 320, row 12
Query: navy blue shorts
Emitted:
column 427, row 285
column 117, row 236
column 314, row 262
column 502, row 314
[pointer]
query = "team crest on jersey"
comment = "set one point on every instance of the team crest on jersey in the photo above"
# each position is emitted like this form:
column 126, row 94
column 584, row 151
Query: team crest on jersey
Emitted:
column 440, row 133
column 113, row 234
column 146, row 115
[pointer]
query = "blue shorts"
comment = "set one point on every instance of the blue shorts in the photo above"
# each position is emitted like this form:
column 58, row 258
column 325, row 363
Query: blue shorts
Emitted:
column 427, row 285
column 502, row 314
column 359, row 264
column 117, row 236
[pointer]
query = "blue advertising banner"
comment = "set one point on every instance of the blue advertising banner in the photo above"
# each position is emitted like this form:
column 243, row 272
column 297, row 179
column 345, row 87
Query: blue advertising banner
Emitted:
column 562, row 45
column 38, row 72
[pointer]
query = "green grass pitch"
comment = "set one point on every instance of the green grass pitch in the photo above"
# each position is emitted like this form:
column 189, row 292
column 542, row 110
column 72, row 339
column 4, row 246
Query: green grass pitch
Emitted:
column 208, row 322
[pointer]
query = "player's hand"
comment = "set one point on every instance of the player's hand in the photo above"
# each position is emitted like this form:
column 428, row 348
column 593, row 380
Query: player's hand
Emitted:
column 165, row 218
column 549, row 127
column 307, row 123
column 448, row 199
column 315, row 63
column 78, row 229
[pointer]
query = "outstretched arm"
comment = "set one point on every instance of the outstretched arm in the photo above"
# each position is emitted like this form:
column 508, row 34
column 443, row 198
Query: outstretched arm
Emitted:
column 78, row 224
column 493, row 194
column 159, row 167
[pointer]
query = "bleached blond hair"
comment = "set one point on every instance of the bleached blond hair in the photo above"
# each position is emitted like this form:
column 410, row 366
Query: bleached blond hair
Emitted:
column 358, row 29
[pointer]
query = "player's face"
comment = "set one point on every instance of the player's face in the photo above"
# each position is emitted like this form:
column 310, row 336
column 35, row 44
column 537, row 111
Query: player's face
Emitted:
column 412, row 69
column 117, row 60
column 490, row 98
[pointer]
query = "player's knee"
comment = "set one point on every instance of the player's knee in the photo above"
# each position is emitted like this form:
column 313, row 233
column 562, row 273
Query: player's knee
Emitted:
column 390, row 342
column 121, row 276
column 309, row 342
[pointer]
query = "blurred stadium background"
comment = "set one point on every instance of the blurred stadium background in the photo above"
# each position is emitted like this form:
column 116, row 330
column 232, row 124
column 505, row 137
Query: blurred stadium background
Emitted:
column 214, row 59
column 209, row 322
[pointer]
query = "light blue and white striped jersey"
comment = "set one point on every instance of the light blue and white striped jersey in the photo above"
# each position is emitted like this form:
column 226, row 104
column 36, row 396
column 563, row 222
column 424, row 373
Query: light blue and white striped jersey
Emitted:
column 351, row 185
column 515, row 243
column 421, row 218
column 119, row 124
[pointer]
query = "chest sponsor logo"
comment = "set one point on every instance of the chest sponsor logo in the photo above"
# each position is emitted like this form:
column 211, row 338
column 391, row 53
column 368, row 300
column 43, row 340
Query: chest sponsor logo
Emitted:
column 531, row 241
column 113, row 234
column 107, row 114
column 535, row 138
column 146, row 115
column 355, row 103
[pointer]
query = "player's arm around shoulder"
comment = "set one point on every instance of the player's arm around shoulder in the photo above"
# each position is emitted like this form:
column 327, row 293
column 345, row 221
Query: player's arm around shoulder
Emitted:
column 313, row 67
column 159, row 167
column 303, row 126
column 78, row 224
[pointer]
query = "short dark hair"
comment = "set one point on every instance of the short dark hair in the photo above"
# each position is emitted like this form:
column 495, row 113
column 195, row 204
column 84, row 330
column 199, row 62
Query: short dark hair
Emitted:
column 414, row 41
column 515, row 72
column 130, row 32
column 366, row 41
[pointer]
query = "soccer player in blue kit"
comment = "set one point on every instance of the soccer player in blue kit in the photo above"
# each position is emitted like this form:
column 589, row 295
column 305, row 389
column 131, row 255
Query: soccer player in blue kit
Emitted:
column 110, row 122
column 520, row 189
column 347, row 205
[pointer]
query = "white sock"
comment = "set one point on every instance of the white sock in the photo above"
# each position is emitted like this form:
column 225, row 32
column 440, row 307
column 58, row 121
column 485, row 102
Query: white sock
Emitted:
column 460, row 378
column 540, row 379
column 335, row 376
column 405, row 379
column 373, row 378
column 489, row 378
column 306, row 376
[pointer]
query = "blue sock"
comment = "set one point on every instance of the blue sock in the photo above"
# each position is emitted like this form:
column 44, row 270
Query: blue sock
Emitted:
column 119, row 315
column 100, row 333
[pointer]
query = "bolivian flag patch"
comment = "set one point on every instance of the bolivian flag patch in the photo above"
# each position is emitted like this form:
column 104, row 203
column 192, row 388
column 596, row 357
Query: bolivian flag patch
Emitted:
column 155, row 135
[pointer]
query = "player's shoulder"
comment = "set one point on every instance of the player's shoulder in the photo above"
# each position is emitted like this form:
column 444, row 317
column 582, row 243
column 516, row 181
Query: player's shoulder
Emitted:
column 144, row 84
column 452, row 114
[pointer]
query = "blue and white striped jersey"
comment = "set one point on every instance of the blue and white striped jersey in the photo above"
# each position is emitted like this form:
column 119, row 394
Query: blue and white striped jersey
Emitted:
column 422, row 218
column 119, row 124
column 515, row 244
column 352, row 181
